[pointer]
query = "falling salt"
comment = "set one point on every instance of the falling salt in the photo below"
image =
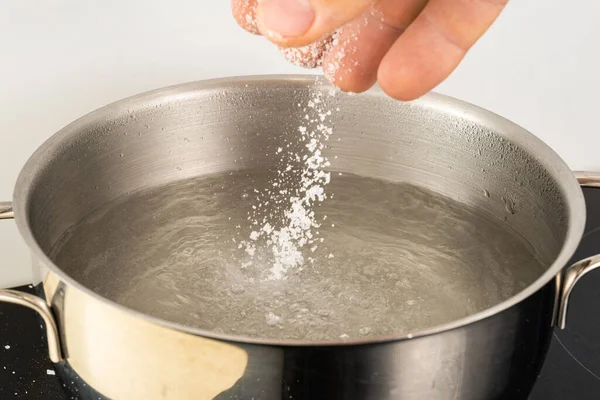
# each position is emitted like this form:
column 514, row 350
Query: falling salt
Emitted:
column 286, row 241
column 50, row 372
column 7, row 347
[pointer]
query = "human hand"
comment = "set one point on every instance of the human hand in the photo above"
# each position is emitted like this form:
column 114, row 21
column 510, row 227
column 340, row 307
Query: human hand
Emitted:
column 408, row 46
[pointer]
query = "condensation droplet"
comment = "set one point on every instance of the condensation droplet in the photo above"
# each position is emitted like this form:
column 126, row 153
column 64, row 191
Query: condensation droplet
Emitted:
column 237, row 289
column 365, row 330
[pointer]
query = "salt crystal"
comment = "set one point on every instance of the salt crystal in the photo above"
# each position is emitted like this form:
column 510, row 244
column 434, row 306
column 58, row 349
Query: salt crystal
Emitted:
column 50, row 372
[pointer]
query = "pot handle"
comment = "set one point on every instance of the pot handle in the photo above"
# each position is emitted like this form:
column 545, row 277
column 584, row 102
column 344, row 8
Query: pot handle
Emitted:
column 575, row 272
column 6, row 210
column 33, row 302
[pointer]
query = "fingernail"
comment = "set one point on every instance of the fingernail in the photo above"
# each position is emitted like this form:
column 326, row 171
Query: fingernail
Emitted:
column 288, row 18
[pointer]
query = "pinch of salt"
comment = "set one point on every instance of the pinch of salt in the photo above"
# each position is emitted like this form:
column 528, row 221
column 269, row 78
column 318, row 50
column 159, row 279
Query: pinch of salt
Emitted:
column 285, row 242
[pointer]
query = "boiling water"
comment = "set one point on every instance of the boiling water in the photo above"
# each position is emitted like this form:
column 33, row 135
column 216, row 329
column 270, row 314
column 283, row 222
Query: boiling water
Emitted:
column 394, row 258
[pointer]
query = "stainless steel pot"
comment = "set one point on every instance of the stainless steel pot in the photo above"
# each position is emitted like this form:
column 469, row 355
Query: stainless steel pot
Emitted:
column 445, row 144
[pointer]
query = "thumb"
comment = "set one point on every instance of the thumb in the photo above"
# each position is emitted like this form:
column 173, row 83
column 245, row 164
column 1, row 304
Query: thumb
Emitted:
column 294, row 23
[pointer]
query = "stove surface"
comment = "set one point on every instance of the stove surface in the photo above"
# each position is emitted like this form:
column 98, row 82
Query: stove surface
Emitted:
column 571, row 370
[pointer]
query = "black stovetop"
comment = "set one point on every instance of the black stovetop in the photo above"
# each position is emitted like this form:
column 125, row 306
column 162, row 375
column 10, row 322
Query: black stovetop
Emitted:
column 571, row 370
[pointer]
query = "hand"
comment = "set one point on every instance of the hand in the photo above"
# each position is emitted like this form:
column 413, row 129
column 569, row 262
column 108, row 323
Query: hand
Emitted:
column 409, row 46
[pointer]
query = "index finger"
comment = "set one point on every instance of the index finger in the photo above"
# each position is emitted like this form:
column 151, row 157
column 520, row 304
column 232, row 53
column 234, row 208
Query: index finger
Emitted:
column 434, row 44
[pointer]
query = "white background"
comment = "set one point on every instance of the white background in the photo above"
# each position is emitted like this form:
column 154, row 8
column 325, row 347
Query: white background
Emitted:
column 59, row 59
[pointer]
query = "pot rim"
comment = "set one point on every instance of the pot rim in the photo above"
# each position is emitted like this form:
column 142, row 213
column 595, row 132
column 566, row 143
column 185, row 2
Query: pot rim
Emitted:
column 558, row 169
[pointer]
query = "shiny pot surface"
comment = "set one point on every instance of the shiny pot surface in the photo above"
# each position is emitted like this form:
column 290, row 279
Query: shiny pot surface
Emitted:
column 446, row 145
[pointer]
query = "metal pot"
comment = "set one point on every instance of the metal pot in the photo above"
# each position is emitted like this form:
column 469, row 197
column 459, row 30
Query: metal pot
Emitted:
column 442, row 143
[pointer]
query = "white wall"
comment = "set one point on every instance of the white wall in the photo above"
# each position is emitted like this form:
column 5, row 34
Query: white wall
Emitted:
column 60, row 59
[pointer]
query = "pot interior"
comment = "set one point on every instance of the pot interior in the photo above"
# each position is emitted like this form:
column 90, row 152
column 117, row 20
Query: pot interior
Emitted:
column 122, row 202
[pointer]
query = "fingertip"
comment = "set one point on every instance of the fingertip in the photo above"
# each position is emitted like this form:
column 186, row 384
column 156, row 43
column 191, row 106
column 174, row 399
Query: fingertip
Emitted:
column 434, row 45
column 349, row 82
column 395, row 85
column 354, row 86
column 342, row 66
column 417, row 63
